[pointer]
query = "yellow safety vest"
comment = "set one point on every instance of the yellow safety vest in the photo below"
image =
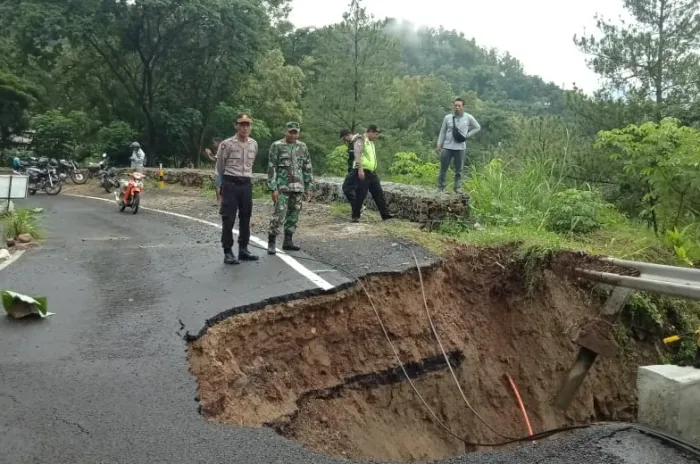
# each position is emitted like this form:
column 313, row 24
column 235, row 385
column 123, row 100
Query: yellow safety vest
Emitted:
column 369, row 156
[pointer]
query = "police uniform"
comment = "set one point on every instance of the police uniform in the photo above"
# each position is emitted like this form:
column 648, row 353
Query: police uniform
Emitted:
column 366, row 157
column 234, row 172
column 291, row 174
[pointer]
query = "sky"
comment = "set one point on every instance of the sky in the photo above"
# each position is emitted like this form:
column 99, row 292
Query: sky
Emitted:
column 539, row 33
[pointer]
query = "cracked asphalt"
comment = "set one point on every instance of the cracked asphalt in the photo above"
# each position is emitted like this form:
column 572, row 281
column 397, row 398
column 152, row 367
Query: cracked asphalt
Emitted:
column 105, row 380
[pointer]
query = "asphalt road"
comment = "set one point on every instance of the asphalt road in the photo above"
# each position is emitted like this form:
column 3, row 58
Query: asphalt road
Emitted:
column 105, row 380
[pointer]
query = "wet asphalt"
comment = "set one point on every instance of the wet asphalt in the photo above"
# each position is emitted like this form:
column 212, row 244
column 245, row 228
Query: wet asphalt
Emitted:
column 105, row 379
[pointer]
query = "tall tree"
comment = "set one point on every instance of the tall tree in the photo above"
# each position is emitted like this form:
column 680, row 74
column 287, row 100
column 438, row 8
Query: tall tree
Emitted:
column 656, row 57
column 358, row 61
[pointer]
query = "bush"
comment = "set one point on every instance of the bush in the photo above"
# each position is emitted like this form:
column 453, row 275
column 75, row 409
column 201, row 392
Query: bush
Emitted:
column 574, row 211
column 19, row 222
column 337, row 161
column 503, row 197
column 409, row 169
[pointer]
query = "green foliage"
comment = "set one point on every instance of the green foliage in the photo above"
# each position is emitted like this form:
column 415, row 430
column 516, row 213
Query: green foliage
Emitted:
column 337, row 161
column 56, row 135
column 20, row 221
column 115, row 140
column 664, row 157
column 575, row 211
column 408, row 168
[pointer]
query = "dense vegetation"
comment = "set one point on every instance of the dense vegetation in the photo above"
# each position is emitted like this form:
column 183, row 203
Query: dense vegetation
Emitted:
column 615, row 172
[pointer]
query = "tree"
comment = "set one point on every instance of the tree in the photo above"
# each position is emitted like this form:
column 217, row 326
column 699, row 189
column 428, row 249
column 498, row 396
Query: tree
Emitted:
column 273, row 91
column 359, row 61
column 16, row 97
column 666, row 158
column 657, row 57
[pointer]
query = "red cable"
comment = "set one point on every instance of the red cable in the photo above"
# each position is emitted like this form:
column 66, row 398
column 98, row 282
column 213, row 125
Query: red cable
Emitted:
column 522, row 406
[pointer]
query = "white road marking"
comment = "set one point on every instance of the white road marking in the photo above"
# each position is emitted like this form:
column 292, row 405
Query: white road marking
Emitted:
column 290, row 261
column 11, row 259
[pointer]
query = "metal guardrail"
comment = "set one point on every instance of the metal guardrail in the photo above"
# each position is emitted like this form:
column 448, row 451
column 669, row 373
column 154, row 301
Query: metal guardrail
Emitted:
column 656, row 278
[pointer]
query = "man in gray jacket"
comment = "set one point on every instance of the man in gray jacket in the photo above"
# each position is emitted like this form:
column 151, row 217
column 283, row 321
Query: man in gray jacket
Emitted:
column 452, row 143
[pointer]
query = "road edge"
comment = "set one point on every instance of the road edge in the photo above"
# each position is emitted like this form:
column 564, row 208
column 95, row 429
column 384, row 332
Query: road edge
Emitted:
column 14, row 257
column 286, row 258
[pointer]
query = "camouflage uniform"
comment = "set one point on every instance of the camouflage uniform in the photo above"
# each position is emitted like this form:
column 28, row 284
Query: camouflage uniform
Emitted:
column 290, row 173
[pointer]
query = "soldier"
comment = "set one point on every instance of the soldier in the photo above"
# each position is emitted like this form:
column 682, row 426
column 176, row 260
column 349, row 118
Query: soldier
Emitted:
column 234, row 170
column 289, row 175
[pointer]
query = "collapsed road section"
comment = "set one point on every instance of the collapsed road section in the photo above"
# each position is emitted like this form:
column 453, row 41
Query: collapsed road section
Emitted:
column 320, row 370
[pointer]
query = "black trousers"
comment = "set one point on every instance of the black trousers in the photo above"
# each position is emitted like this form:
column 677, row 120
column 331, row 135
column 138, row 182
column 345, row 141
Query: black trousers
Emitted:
column 349, row 187
column 372, row 185
column 236, row 198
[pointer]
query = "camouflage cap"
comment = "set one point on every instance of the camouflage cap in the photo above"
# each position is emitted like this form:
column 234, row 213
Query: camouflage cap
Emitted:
column 293, row 126
column 244, row 117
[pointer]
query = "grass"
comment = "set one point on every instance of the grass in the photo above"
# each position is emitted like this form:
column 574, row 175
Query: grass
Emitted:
column 21, row 221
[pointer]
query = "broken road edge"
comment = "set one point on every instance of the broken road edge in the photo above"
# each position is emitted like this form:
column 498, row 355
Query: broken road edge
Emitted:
column 275, row 300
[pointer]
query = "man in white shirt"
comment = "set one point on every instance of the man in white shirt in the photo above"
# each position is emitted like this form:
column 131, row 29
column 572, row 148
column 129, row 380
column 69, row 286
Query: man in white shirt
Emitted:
column 452, row 143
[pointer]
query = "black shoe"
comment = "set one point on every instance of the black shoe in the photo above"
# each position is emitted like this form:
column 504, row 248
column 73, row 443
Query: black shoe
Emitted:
column 354, row 219
column 288, row 244
column 386, row 218
column 229, row 258
column 245, row 255
column 271, row 245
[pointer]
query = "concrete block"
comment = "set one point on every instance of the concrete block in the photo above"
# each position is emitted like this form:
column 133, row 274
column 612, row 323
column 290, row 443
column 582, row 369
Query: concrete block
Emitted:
column 669, row 400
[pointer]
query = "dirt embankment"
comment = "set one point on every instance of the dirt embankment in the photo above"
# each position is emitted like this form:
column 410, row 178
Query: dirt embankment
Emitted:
column 320, row 370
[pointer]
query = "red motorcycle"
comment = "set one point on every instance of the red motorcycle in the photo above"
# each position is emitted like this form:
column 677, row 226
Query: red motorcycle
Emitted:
column 130, row 195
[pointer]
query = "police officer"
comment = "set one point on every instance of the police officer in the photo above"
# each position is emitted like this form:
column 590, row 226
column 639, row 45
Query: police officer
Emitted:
column 234, row 170
column 349, row 182
column 365, row 173
column 289, row 175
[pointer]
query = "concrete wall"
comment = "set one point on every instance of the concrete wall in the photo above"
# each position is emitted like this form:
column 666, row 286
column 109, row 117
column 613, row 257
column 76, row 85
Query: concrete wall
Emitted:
column 669, row 400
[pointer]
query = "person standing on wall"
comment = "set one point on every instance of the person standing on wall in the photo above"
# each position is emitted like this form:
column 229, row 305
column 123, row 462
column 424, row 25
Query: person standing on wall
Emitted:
column 452, row 143
column 365, row 174
column 289, row 175
column 234, row 186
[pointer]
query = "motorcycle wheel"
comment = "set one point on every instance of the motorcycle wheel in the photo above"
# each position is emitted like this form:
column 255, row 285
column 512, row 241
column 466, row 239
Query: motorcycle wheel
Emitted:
column 78, row 177
column 55, row 189
column 32, row 192
column 135, row 203
column 107, row 186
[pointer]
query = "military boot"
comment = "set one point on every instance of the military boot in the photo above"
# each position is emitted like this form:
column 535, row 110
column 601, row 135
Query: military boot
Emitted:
column 229, row 257
column 245, row 255
column 288, row 244
column 271, row 244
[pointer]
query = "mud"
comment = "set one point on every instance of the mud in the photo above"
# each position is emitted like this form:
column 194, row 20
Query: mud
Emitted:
column 275, row 367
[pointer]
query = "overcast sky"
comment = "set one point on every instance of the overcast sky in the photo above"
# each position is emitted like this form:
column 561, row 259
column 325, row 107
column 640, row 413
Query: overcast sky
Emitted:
column 537, row 32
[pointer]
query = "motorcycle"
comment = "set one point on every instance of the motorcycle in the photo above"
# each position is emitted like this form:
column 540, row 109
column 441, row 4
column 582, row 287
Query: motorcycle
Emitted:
column 107, row 175
column 44, row 177
column 70, row 168
column 130, row 193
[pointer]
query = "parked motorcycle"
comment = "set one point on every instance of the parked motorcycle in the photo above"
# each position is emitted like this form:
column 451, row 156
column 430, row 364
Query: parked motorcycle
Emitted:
column 69, row 168
column 44, row 177
column 130, row 193
column 107, row 175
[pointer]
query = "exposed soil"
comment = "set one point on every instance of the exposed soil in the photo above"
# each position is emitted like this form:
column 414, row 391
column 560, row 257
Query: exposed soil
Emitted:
column 320, row 370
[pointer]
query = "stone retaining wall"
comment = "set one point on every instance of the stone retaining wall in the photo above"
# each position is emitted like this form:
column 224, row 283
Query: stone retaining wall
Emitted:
column 409, row 202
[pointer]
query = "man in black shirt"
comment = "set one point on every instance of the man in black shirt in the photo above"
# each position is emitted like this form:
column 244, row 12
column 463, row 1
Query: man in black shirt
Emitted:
column 350, row 181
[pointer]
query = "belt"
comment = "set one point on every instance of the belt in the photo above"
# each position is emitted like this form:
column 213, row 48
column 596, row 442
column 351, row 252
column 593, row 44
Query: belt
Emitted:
column 236, row 179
